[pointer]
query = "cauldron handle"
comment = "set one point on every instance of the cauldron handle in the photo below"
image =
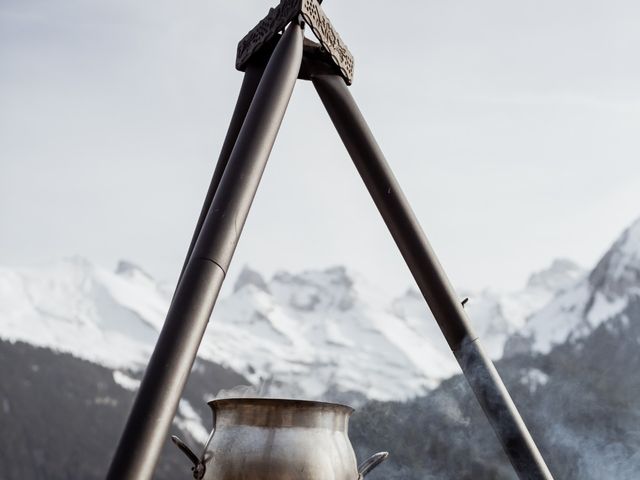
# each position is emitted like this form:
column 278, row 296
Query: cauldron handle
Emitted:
column 199, row 466
column 370, row 463
column 199, row 463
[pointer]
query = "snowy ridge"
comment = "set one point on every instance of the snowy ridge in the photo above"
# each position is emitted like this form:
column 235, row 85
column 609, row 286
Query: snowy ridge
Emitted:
column 494, row 316
column 578, row 310
column 75, row 307
column 318, row 332
column 325, row 334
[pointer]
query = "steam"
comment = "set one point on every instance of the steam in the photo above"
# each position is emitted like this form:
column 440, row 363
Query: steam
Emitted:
column 241, row 391
column 267, row 388
column 271, row 388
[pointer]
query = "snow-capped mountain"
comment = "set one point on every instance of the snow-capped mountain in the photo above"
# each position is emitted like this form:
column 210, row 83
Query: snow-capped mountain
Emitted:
column 322, row 333
column 495, row 316
column 575, row 384
column 577, row 311
column 75, row 307
column 571, row 371
column 318, row 334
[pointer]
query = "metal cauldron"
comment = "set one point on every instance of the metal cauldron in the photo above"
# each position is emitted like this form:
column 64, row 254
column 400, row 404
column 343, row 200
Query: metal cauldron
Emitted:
column 273, row 439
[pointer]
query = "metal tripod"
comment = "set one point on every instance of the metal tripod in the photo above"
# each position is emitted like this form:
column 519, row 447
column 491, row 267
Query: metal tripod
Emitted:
column 272, row 64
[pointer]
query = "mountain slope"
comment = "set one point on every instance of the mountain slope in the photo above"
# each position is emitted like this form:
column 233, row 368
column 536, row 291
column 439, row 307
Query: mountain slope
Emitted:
column 61, row 416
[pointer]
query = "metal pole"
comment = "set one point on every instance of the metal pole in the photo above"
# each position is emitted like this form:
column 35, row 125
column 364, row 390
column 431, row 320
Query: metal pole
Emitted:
column 250, row 83
column 169, row 366
column 430, row 277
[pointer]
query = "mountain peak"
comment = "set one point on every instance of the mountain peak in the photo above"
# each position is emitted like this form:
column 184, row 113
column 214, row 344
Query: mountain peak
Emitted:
column 606, row 293
column 316, row 289
column 630, row 239
column 560, row 275
column 618, row 271
column 131, row 271
column 250, row 277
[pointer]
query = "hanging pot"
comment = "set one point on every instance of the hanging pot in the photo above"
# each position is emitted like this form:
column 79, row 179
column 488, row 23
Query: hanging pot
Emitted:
column 273, row 439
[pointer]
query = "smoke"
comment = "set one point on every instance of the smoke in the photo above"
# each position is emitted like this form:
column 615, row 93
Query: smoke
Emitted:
column 594, row 455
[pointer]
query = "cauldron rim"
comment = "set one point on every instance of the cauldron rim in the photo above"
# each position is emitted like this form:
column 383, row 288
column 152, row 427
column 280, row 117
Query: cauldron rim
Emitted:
column 279, row 402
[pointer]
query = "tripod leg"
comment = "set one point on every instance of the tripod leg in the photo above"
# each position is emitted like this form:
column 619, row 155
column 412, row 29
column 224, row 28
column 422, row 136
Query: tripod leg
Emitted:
column 247, row 91
column 430, row 277
column 146, row 430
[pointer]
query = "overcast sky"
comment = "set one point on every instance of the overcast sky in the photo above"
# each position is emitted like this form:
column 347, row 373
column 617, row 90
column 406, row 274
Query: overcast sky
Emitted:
column 513, row 127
